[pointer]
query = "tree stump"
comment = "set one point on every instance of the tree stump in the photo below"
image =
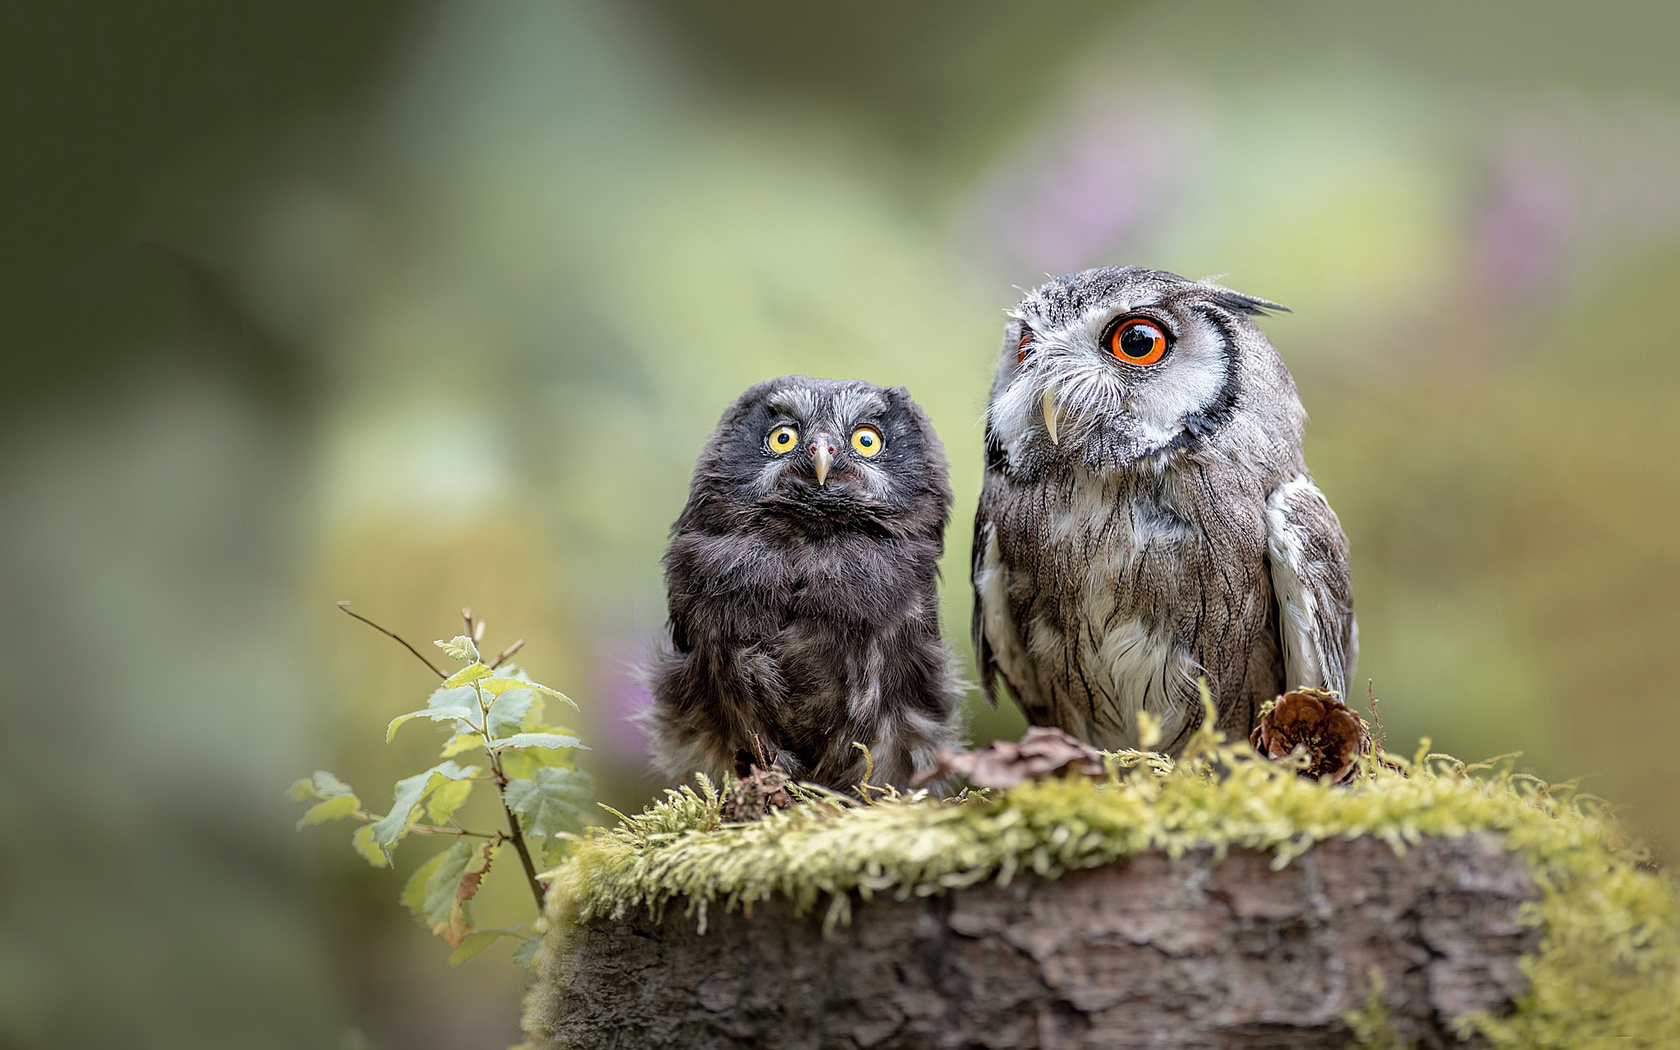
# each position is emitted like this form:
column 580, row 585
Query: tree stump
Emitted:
column 1153, row 952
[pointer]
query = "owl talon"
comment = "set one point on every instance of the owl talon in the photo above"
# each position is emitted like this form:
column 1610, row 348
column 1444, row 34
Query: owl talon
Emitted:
column 1050, row 411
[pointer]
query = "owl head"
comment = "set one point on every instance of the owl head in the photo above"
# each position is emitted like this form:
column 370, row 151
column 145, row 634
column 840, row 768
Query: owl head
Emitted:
column 822, row 455
column 1118, row 367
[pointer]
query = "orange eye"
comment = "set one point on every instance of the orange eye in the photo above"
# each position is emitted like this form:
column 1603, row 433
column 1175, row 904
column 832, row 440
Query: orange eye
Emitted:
column 1138, row 342
column 1024, row 347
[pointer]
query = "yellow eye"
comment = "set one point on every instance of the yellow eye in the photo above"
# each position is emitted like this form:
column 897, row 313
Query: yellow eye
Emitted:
column 783, row 439
column 866, row 441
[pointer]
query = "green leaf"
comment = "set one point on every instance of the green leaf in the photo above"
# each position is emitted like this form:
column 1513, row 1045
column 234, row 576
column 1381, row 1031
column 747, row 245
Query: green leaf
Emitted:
column 440, row 890
column 362, row 842
column 553, row 801
column 522, row 764
column 319, row 785
column 555, row 694
column 335, row 808
column 409, row 793
column 442, row 713
column 504, row 683
column 475, row 943
column 446, row 799
column 459, row 647
column 526, row 954
column 467, row 675
column 509, row 710
column 539, row 740
column 430, row 892
column 461, row 742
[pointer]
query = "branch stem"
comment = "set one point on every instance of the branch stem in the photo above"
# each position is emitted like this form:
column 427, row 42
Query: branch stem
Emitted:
column 505, row 653
column 515, row 834
column 389, row 634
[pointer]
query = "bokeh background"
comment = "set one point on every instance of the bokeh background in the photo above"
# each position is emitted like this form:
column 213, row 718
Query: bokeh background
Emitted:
column 425, row 305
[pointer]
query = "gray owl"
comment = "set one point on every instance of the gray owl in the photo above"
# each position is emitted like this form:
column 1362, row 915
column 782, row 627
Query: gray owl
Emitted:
column 802, row 582
column 1147, row 518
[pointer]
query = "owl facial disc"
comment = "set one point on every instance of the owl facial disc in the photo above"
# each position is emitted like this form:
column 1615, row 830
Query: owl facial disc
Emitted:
column 1122, row 368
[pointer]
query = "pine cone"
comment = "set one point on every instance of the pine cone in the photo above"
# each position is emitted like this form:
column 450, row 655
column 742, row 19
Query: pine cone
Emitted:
column 1041, row 754
column 1317, row 723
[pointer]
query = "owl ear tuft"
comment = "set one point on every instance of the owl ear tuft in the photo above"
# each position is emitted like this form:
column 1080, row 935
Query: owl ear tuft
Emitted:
column 1252, row 305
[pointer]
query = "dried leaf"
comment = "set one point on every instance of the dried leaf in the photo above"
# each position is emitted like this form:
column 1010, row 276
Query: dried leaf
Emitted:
column 757, row 790
column 1042, row 753
column 474, row 877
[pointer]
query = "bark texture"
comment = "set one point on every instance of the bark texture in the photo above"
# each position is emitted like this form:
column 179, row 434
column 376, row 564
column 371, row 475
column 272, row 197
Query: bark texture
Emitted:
column 1154, row 953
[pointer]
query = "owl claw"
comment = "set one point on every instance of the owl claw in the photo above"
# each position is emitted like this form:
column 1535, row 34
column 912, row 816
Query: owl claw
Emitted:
column 1050, row 415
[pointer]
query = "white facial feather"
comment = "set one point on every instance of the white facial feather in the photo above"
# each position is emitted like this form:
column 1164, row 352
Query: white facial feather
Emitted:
column 1093, row 391
column 1185, row 381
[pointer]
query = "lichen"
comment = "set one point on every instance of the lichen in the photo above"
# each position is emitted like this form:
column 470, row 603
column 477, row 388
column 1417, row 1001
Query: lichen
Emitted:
column 1607, row 971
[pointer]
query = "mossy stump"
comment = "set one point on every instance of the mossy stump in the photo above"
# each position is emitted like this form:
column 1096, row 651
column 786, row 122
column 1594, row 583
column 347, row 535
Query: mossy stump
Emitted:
column 1223, row 902
column 1151, row 952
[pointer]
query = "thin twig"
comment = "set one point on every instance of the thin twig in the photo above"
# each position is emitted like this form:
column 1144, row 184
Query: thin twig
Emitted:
column 505, row 653
column 417, row 654
column 1376, row 716
column 518, row 839
column 467, row 621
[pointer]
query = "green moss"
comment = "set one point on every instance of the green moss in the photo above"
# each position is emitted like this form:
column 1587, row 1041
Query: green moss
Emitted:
column 1608, row 966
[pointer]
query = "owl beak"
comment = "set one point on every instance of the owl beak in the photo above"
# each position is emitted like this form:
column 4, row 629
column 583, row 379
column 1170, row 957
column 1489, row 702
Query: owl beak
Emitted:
column 1050, row 415
column 821, row 459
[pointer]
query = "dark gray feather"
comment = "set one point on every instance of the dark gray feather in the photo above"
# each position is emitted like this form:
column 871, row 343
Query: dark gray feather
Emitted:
column 805, row 616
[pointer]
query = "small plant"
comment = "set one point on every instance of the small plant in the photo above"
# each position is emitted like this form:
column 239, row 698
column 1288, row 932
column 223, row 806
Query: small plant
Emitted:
column 493, row 711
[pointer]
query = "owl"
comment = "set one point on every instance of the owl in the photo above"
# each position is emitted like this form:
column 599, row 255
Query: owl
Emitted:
column 802, row 585
column 1146, row 518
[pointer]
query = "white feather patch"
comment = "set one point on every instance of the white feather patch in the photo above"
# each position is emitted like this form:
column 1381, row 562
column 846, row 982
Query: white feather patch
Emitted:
column 991, row 583
column 1298, row 619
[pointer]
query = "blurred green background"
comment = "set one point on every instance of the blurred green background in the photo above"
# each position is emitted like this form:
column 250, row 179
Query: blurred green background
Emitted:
column 429, row 305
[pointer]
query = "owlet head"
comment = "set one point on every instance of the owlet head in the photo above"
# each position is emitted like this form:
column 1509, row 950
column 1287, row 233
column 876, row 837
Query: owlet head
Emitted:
column 1115, row 366
column 825, row 454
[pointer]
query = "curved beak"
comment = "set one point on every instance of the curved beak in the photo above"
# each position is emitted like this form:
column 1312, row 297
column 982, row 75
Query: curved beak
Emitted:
column 821, row 459
column 1050, row 413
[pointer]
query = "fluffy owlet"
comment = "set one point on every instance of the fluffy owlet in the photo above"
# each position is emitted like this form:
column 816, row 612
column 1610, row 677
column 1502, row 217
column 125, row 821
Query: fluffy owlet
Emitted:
column 1147, row 518
column 802, row 582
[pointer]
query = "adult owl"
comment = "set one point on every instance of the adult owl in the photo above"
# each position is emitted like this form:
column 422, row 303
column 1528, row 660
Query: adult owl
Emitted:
column 1147, row 518
column 801, row 578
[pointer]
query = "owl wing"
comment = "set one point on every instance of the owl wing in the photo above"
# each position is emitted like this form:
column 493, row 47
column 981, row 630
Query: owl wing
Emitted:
column 998, row 650
column 985, row 661
column 1308, row 555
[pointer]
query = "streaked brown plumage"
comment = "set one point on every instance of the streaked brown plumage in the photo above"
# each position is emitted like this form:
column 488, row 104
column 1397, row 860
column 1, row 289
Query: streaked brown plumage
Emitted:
column 1143, row 525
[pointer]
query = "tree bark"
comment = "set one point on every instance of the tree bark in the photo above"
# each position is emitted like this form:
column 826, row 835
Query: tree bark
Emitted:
column 1154, row 953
